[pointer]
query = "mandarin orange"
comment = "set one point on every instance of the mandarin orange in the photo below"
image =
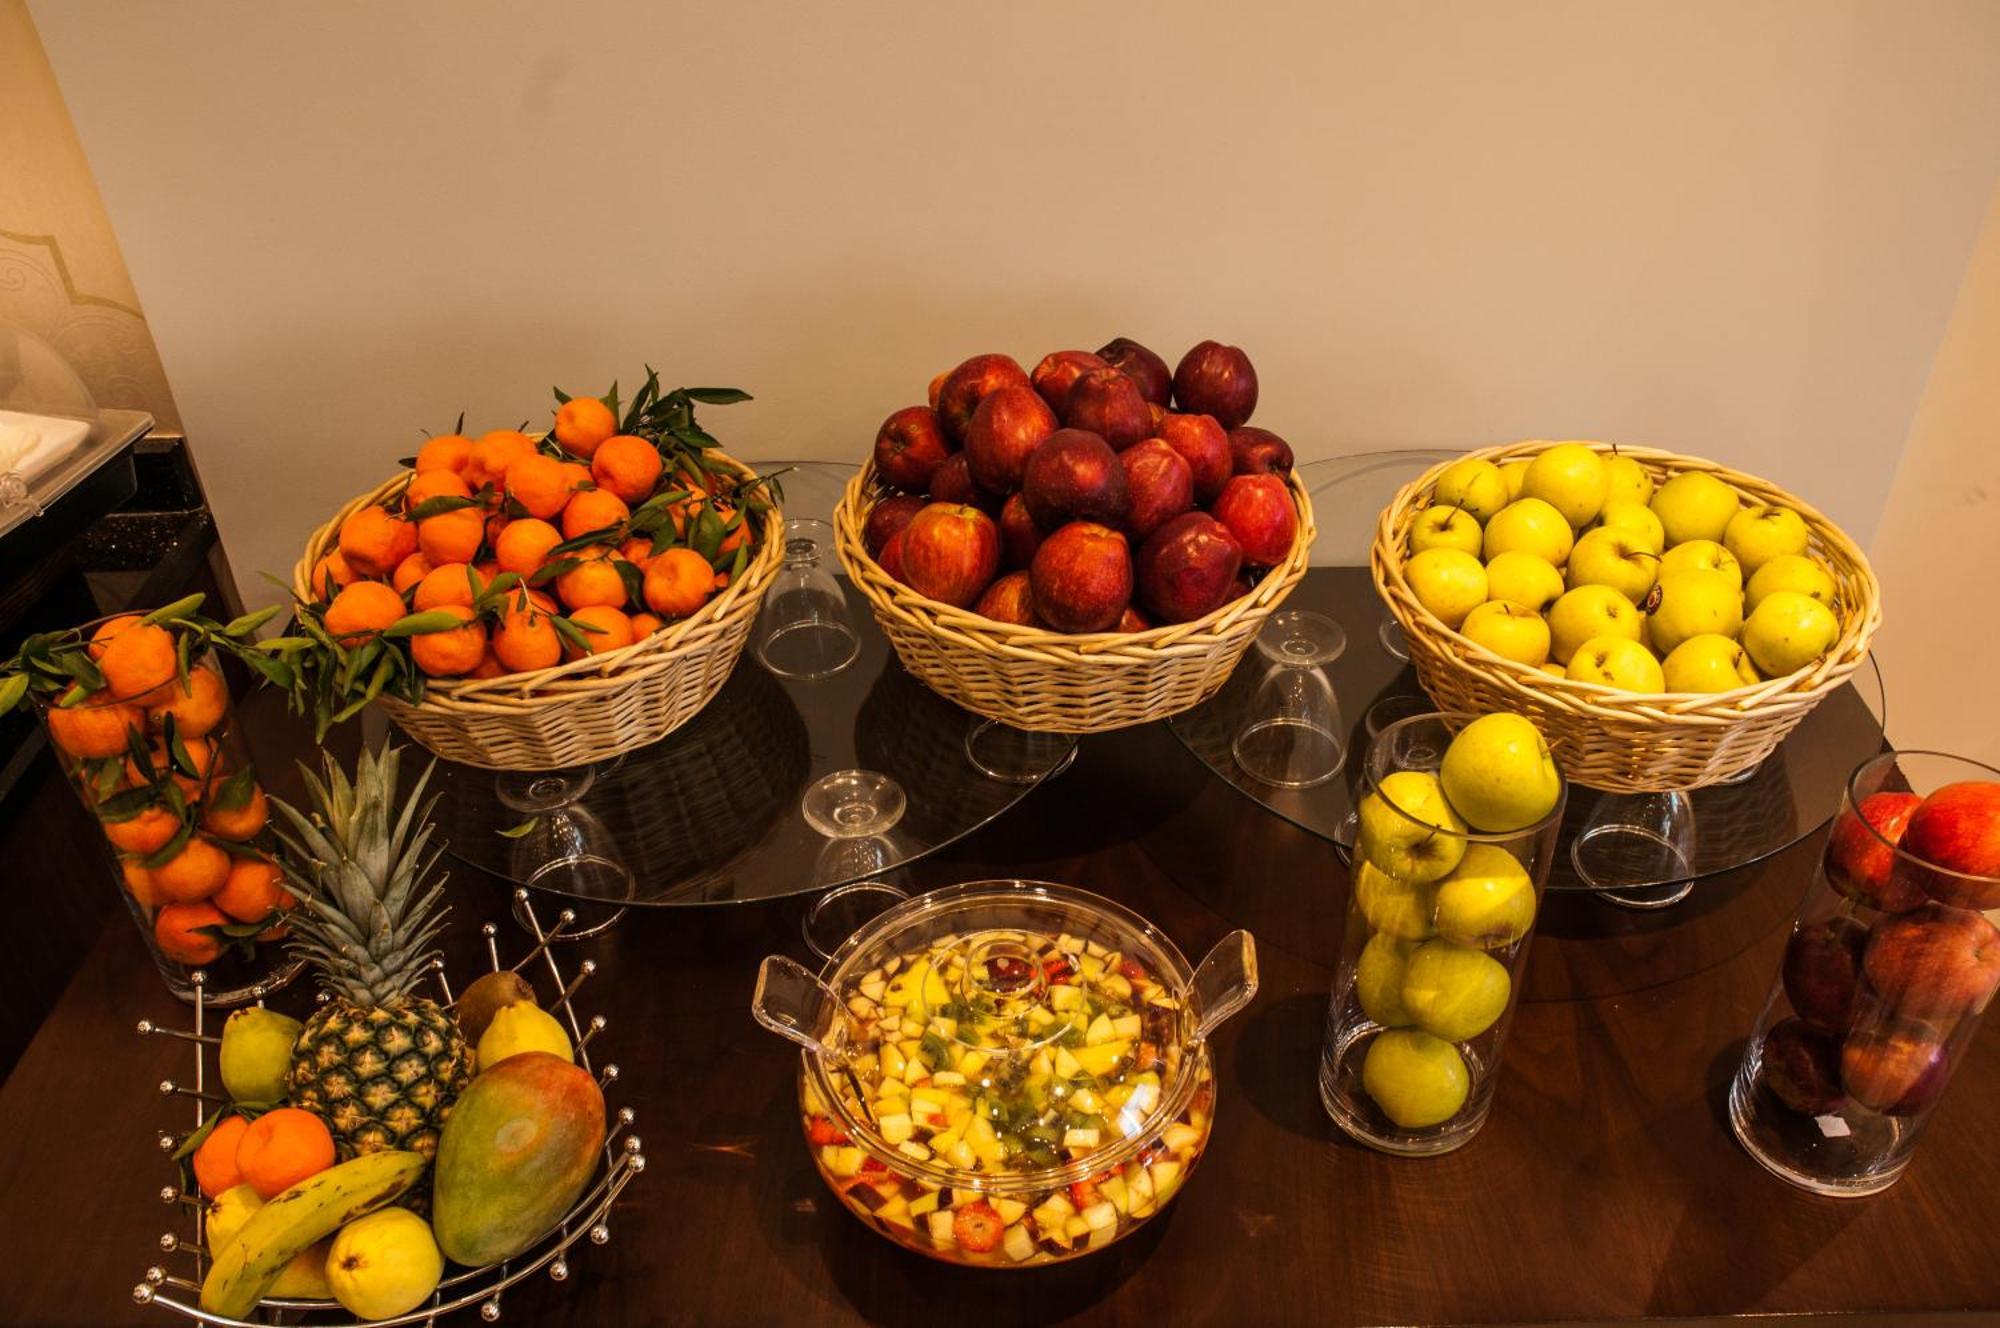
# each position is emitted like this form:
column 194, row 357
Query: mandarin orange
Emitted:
column 538, row 484
column 254, row 889
column 492, row 454
column 592, row 510
column 363, row 608
column 238, row 824
column 594, row 581
column 137, row 663
column 582, row 424
column 107, row 629
column 373, row 541
column 193, row 874
column 678, row 583
column 605, row 627
column 282, row 1148
column 147, row 832
column 453, row 651
column 449, row 583
column 93, row 732
column 452, row 537
column 196, row 706
column 410, row 571
column 626, row 466
column 446, row 452
column 523, row 546
column 524, row 639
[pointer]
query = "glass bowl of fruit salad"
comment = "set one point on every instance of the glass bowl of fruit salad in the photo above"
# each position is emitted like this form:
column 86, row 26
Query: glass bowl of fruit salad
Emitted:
column 1006, row 1073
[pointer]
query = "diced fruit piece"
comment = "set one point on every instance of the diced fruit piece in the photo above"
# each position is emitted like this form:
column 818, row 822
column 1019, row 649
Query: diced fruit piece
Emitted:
column 977, row 1227
column 1020, row 1246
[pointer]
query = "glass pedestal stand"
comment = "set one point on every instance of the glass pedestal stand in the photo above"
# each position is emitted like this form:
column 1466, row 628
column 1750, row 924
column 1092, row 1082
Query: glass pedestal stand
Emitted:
column 560, row 847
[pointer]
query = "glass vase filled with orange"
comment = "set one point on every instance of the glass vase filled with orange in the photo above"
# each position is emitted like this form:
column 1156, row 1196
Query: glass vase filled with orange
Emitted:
column 139, row 716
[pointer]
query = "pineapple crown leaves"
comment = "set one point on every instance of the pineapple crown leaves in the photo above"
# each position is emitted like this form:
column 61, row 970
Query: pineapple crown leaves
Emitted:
column 369, row 906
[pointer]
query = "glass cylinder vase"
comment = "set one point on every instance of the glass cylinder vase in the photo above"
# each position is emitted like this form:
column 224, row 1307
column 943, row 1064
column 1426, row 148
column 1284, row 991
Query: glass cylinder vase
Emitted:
column 154, row 751
column 1438, row 925
column 1889, row 965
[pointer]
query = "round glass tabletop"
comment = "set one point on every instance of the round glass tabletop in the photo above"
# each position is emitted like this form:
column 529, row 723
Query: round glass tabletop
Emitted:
column 742, row 802
column 1792, row 794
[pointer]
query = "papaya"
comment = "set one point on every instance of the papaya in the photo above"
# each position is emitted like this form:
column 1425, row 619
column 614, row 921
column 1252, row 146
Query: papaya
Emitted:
column 519, row 1146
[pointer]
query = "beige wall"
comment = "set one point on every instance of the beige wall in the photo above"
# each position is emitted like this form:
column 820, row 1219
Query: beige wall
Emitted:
column 1734, row 230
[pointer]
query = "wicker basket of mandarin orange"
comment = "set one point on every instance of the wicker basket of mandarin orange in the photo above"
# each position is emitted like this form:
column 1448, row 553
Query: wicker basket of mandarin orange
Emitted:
column 532, row 602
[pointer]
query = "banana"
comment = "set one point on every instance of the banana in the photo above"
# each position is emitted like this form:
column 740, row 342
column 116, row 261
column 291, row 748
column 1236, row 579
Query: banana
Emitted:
column 249, row 1263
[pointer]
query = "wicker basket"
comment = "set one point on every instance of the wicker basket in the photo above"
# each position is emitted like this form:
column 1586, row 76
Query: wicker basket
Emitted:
column 1615, row 740
column 1052, row 682
column 587, row 709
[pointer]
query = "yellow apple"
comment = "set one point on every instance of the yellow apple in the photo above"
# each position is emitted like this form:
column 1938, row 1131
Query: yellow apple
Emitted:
column 1529, row 525
column 1514, row 472
column 1499, row 775
column 1408, row 829
column 1393, row 906
column 1758, row 534
column 1555, row 670
column 1605, row 557
column 1787, row 571
column 1475, row 485
column 1590, row 611
column 1448, row 582
column 1378, row 979
column 1694, row 505
column 1614, row 661
column 1454, row 992
column 1696, row 602
column 1487, row 902
column 1524, row 579
column 1625, row 480
column 1789, row 631
column 1702, row 555
column 1708, row 663
column 1445, row 528
column 1636, row 520
column 1570, row 478
column 1508, row 630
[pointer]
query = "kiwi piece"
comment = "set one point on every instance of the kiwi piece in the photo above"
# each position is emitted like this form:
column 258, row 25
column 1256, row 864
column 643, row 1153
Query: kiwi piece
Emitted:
column 478, row 1002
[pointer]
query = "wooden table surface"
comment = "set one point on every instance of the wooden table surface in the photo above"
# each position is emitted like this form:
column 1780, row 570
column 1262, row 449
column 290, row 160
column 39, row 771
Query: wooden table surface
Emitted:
column 1606, row 1186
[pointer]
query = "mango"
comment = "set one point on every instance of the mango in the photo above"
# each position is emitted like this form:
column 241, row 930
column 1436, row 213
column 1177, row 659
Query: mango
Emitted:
column 518, row 1148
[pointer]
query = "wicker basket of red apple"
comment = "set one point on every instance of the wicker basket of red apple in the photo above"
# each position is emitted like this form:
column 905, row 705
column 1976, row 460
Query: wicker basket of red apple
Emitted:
column 1085, row 547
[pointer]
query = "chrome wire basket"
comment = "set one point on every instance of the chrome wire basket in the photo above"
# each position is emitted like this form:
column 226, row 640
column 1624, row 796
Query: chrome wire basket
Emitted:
column 461, row 1289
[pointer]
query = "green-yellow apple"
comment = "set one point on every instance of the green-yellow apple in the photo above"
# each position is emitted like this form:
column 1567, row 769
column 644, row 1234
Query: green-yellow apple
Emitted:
column 1454, row 991
column 1529, row 525
column 1702, row 555
column 1626, row 480
column 1439, row 527
column 1787, row 571
column 1695, row 602
column 1514, row 472
column 1508, row 630
column 1408, row 829
column 1524, row 579
column 1393, row 906
column 1709, row 663
column 1570, row 478
column 1591, row 611
column 1694, row 505
column 1448, row 582
column 1554, row 670
column 1499, row 775
column 1636, row 520
column 1789, row 631
column 1614, row 661
column 1487, row 903
column 1474, row 485
column 1605, row 557
column 1378, row 979
column 1758, row 534
column 1417, row 1080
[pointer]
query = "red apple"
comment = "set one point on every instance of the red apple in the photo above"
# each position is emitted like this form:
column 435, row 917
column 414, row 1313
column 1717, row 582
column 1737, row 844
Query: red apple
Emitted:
column 1255, row 451
column 1160, row 485
column 1897, row 1070
column 909, row 447
column 1214, row 379
column 1010, row 423
column 937, row 387
column 1822, row 972
column 952, row 483
column 1082, row 578
column 1074, row 476
column 1204, row 445
column 1935, row 963
column 1149, row 371
column 1861, row 862
column 1957, row 828
column 1188, row 568
column 1107, row 403
column 950, row 553
column 969, row 384
column 1019, row 535
column 1011, row 599
column 1058, row 370
column 1259, row 512
column 887, row 517
column 1133, row 621
column 1802, row 1067
column 891, row 558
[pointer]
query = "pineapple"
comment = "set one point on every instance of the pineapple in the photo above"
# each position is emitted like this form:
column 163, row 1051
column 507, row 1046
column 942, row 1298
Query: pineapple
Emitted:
column 380, row 1064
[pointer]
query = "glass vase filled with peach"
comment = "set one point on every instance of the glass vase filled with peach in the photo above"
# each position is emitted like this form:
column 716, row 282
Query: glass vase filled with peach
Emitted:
column 145, row 731
column 1890, row 963
column 1452, row 849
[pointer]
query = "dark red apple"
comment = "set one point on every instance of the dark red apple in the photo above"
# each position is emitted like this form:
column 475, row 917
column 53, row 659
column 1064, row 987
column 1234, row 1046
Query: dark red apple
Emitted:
column 1934, row 963
column 1058, row 370
column 1082, row 578
column 1255, row 451
column 950, row 553
column 971, row 383
column 1898, row 1070
column 1159, row 483
column 1149, row 371
column 1861, row 862
column 1133, row 621
column 952, row 483
column 1802, row 1067
column 1019, row 535
column 1958, row 828
column 1214, row 379
column 891, row 557
column 1010, row 423
column 1011, row 599
column 1074, row 476
column 1107, row 403
column 1822, row 972
column 1188, row 568
column 937, row 387
column 909, row 447
column 887, row 517
column 1258, row 511
column 1204, row 445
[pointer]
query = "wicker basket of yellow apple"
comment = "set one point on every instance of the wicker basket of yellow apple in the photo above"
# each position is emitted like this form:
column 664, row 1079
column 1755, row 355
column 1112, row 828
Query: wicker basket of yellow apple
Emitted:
column 1664, row 620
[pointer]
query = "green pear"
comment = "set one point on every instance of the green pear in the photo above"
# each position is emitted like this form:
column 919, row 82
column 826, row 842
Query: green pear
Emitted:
column 1378, row 979
column 1508, row 630
column 1439, row 527
column 1417, row 1080
column 1614, row 661
column 1392, row 906
column 1448, row 582
column 1514, row 474
column 1702, row 555
column 1694, row 505
column 256, row 1055
column 1708, row 663
column 1524, row 579
column 1499, row 775
column 1625, row 480
column 1694, row 603
column 1474, row 485
column 1408, row 829
column 1787, row 571
column 1606, row 557
column 1758, row 534
column 1588, row 612
column 1636, row 520
column 1570, row 478
column 1454, row 991
column 1789, row 631
column 522, row 1027
column 1488, row 901
column 1529, row 525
